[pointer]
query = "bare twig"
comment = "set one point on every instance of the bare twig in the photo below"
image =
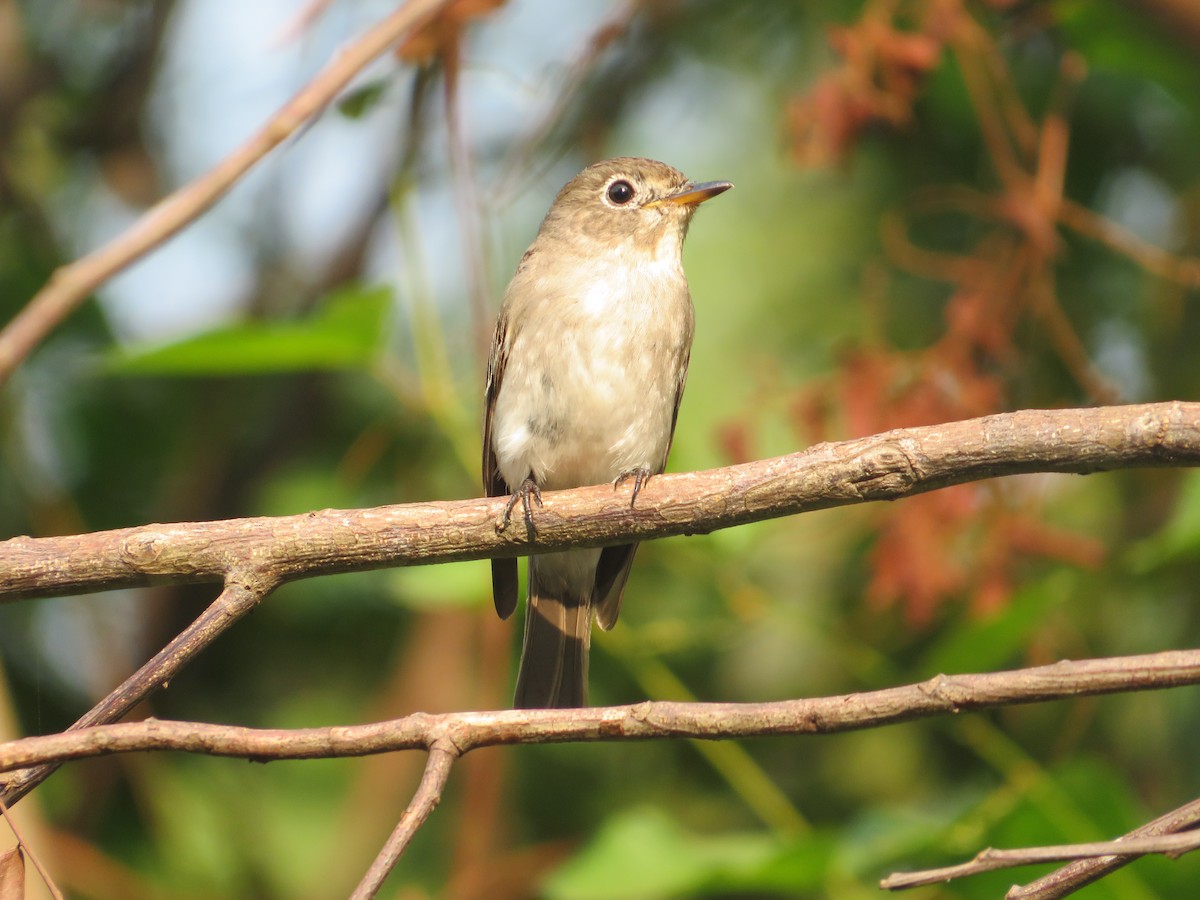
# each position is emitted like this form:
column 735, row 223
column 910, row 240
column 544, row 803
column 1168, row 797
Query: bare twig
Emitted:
column 27, row 849
column 520, row 165
column 1081, row 873
column 73, row 283
column 466, row 731
column 883, row 467
column 991, row 859
column 466, row 200
column 450, row 735
column 429, row 793
column 1057, row 326
column 241, row 594
column 1184, row 270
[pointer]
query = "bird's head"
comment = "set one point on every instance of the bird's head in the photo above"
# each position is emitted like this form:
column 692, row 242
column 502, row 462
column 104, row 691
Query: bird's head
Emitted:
column 627, row 200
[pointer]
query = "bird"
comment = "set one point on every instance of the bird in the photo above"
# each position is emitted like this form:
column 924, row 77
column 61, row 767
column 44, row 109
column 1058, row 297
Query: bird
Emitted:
column 584, row 379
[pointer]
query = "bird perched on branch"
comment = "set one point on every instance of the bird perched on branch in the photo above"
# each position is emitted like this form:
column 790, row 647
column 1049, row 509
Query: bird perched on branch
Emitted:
column 586, row 373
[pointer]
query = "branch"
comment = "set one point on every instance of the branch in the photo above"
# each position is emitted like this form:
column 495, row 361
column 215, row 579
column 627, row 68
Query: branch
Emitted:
column 466, row 731
column 241, row 594
column 23, row 846
column 429, row 793
column 253, row 556
column 991, row 859
column 450, row 735
column 883, row 467
column 72, row 284
column 1071, row 878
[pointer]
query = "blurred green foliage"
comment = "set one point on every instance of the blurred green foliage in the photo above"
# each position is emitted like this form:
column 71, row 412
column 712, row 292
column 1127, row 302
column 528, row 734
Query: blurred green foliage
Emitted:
column 354, row 378
column 346, row 333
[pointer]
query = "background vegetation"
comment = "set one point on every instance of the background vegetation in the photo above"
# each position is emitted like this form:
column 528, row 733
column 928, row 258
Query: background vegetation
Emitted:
column 943, row 208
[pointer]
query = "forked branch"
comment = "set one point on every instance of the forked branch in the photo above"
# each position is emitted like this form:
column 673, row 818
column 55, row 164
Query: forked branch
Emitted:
column 448, row 736
column 253, row 556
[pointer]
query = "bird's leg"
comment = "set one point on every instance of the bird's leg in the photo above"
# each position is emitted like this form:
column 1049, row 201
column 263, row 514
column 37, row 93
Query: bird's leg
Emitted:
column 640, row 475
column 521, row 495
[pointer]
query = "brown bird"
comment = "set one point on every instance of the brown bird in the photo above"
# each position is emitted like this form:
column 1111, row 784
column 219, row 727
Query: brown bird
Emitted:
column 584, row 381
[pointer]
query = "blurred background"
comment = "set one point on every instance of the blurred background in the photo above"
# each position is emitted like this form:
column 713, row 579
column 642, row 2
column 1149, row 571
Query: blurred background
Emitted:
column 944, row 208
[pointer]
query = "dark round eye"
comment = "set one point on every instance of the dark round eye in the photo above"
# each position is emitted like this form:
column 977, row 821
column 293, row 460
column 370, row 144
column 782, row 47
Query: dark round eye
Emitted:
column 620, row 192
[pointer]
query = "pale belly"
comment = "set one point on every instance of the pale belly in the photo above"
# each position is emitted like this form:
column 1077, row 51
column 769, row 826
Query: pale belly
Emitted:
column 589, row 404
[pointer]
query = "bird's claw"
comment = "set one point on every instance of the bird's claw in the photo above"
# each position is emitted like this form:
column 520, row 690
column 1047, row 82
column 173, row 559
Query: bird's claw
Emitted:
column 521, row 495
column 640, row 476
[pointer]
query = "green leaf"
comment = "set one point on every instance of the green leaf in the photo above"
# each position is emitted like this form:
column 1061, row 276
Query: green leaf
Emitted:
column 890, row 835
column 1179, row 540
column 980, row 645
column 345, row 333
column 645, row 854
column 463, row 584
column 1117, row 39
column 359, row 101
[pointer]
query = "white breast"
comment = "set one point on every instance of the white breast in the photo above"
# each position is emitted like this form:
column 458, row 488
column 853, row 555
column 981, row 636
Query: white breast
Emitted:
column 593, row 370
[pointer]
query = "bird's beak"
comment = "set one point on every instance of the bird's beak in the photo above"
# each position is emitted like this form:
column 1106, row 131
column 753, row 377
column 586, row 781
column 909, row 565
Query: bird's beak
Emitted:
column 693, row 194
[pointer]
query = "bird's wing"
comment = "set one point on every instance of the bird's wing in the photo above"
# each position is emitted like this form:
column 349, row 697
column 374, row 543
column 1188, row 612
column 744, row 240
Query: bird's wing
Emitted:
column 612, row 571
column 680, row 384
column 504, row 571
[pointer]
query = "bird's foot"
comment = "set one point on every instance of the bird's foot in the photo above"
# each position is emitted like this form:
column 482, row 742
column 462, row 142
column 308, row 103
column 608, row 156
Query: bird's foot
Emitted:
column 640, row 476
column 528, row 488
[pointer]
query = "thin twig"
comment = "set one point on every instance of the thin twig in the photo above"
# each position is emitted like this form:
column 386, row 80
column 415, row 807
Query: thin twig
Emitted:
column 944, row 694
column 991, row 859
column 27, row 849
column 987, row 101
column 451, row 735
column 1184, row 270
column 73, row 283
column 442, row 755
column 1067, row 343
column 1054, row 139
column 519, row 168
column 1076, row 875
column 466, row 200
column 238, row 598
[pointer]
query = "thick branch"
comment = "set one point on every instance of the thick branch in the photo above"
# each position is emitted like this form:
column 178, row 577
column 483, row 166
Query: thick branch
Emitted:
column 72, row 284
column 465, row 731
column 883, row 467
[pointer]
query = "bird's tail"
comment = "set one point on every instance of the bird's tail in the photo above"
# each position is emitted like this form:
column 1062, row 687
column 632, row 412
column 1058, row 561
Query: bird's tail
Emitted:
column 554, row 658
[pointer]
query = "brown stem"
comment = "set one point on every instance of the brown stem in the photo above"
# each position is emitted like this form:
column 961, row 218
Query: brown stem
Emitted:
column 239, row 597
column 882, row 467
column 991, row 859
column 72, row 284
column 442, row 755
column 941, row 695
column 1076, row 875
column 25, row 847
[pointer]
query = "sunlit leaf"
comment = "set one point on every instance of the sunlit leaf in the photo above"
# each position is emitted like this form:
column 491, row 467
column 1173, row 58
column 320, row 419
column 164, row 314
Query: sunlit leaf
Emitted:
column 344, row 333
column 644, row 853
column 429, row 587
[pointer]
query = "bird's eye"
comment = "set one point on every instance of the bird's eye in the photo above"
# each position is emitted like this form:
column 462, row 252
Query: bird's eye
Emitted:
column 620, row 192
